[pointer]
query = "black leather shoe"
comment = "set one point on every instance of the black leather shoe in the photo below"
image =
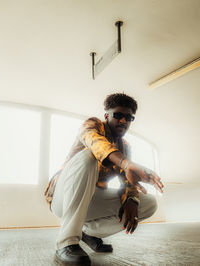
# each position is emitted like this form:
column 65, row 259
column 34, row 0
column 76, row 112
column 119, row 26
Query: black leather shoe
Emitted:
column 72, row 255
column 96, row 243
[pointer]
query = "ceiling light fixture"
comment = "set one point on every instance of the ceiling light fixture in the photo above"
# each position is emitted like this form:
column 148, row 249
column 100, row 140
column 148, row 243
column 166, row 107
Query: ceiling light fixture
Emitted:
column 175, row 74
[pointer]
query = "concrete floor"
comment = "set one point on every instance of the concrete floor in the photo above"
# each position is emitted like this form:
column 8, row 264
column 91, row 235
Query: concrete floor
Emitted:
column 151, row 244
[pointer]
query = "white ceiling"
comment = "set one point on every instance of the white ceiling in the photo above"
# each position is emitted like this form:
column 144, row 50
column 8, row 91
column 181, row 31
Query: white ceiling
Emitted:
column 44, row 50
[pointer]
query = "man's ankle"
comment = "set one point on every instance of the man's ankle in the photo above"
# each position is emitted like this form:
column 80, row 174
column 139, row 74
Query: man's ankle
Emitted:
column 96, row 243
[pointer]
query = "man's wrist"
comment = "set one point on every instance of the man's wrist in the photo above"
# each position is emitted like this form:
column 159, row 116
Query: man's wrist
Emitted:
column 135, row 199
column 125, row 163
column 121, row 161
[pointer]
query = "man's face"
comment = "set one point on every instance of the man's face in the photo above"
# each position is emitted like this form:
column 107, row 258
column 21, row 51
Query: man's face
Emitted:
column 117, row 120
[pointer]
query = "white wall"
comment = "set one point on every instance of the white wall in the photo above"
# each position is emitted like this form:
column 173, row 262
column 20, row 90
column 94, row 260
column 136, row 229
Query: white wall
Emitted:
column 182, row 202
column 24, row 206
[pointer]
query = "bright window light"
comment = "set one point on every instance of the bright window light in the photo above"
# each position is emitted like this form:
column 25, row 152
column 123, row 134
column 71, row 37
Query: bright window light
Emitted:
column 114, row 183
column 64, row 130
column 142, row 153
column 19, row 142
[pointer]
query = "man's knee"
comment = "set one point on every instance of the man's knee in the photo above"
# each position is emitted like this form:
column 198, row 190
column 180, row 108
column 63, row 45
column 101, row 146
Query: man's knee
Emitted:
column 88, row 158
column 148, row 206
column 84, row 168
column 153, row 206
column 83, row 162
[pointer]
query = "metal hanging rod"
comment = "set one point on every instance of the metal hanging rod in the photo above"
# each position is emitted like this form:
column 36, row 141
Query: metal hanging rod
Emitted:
column 111, row 53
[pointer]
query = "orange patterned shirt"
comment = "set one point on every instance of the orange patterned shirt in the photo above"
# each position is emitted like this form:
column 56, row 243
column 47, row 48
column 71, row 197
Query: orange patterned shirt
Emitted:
column 96, row 136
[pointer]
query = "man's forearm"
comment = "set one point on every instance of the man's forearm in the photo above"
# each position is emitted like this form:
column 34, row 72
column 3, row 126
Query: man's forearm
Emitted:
column 135, row 172
column 116, row 158
column 120, row 160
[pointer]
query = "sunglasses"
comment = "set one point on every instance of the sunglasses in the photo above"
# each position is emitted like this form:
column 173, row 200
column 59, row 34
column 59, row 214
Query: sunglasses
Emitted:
column 119, row 116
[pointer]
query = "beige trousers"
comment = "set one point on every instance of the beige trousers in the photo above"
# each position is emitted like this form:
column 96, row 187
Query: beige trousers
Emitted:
column 84, row 207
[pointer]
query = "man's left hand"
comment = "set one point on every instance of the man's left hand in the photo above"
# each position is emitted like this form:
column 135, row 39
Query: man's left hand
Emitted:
column 130, row 211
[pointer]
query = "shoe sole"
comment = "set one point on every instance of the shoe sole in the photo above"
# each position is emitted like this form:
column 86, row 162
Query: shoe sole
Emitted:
column 101, row 251
column 58, row 261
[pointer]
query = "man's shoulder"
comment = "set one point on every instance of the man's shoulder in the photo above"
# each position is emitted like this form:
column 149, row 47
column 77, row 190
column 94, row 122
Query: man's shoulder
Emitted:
column 94, row 123
column 94, row 120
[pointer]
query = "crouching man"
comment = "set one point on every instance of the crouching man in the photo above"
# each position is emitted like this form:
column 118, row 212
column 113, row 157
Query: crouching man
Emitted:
column 79, row 195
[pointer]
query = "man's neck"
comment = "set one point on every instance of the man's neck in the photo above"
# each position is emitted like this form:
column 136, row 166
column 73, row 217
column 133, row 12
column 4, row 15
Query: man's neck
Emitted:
column 114, row 137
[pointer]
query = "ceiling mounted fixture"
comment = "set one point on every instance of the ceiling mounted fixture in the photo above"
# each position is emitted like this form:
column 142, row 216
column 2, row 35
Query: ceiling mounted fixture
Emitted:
column 111, row 53
column 175, row 74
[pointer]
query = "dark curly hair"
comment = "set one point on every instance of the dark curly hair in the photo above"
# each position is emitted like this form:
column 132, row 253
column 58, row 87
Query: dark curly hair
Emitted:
column 120, row 99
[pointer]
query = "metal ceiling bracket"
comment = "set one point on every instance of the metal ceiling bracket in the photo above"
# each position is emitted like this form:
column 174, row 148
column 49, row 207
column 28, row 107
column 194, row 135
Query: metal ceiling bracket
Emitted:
column 111, row 53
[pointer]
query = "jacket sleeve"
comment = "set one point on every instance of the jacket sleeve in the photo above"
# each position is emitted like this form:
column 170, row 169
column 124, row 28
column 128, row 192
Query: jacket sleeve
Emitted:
column 92, row 136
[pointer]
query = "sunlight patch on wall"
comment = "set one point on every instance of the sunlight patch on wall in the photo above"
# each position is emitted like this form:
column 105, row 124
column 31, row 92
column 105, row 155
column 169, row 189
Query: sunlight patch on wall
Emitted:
column 64, row 130
column 20, row 143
